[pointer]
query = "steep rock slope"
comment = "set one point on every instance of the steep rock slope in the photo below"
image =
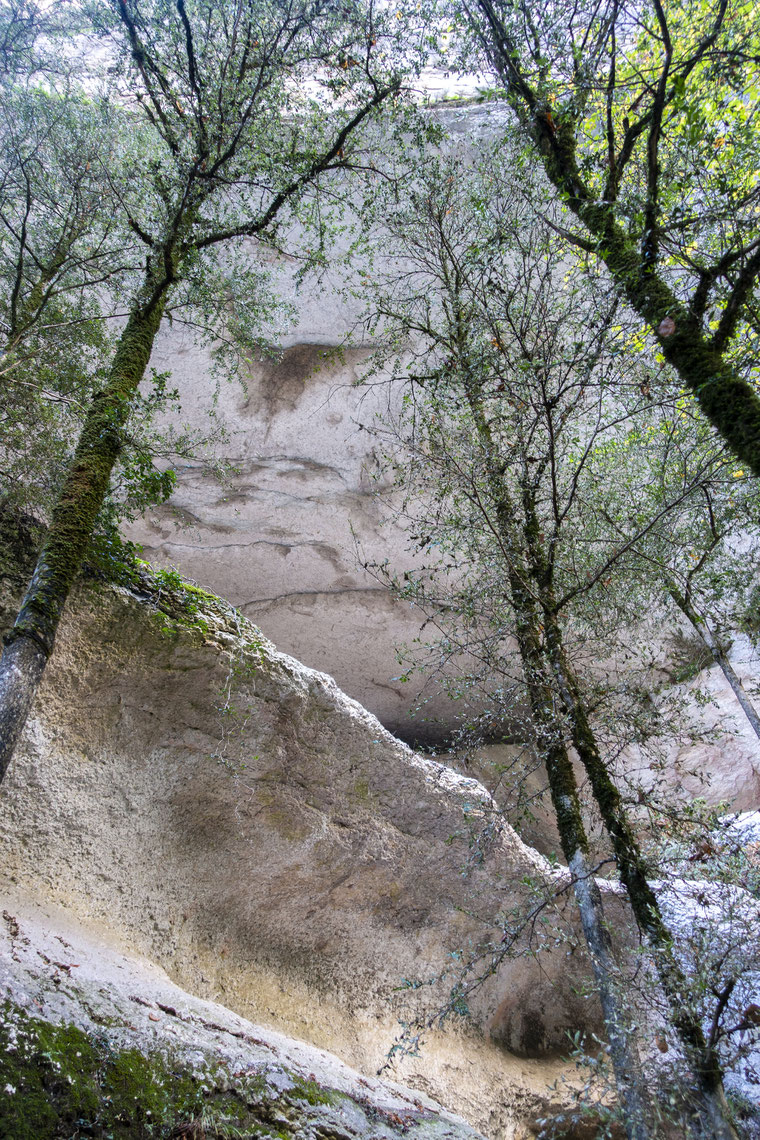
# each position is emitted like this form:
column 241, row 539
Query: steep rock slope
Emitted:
column 234, row 817
column 166, row 1059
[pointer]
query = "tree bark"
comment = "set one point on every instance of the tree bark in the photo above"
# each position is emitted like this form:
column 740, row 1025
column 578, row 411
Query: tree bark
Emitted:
column 710, row 1119
column 30, row 642
column 21, row 669
column 729, row 402
column 710, row 641
column 621, row 1032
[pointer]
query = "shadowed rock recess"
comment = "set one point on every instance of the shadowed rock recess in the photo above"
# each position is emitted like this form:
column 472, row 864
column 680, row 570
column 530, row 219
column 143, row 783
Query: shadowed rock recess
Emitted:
column 188, row 795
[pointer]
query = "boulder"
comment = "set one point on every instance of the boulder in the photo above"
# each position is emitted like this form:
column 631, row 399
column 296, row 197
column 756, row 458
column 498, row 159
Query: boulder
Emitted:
column 231, row 815
column 169, row 1060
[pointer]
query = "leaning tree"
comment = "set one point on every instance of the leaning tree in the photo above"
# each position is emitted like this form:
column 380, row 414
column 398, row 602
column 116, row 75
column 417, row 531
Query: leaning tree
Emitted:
column 645, row 118
column 236, row 113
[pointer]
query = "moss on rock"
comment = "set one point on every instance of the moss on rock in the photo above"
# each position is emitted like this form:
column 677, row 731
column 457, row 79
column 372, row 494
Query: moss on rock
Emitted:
column 58, row 1082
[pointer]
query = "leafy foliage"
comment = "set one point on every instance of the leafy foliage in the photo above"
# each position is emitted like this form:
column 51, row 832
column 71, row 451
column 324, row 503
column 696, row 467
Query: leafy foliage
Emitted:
column 645, row 120
column 547, row 492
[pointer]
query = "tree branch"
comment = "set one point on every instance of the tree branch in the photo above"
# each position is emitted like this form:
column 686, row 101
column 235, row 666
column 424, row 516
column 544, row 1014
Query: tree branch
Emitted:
column 743, row 286
column 650, row 240
column 318, row 166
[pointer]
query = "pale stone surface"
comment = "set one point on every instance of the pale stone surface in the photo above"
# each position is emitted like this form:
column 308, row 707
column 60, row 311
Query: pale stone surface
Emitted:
column 718, row 762
column 233, row 816
column 57, row 971
column 725, row 767
column 280, row 541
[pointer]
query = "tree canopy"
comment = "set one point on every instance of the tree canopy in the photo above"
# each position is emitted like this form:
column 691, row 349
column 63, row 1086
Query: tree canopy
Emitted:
column 550, row 497
column 645, row 120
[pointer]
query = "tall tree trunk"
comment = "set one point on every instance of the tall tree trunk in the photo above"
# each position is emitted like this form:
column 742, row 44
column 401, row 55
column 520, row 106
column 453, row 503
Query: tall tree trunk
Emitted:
column 547, row 721
column 710, row 1119
column 621, row 1034
column 30, row 642
column 710, row 641
column 728, row 400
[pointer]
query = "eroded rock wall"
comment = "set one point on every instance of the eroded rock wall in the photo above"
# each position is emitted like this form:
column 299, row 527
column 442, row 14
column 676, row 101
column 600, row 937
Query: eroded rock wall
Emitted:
column 94, row 1042
column 230, row 814
column 280, row 540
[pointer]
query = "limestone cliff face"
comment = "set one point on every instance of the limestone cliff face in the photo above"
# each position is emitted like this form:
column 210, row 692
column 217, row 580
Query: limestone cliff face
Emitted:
column 219, row 808
column 279, row 541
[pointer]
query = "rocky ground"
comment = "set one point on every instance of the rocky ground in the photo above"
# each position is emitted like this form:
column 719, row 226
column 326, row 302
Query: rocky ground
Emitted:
column 95, row 1042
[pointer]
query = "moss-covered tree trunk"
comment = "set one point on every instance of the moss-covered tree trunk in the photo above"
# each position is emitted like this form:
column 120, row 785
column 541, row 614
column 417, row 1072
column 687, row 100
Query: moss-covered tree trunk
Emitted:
column 547, row 723
column 30, row 642
column 718, row 654
column 710, row 1119
column 730, row 403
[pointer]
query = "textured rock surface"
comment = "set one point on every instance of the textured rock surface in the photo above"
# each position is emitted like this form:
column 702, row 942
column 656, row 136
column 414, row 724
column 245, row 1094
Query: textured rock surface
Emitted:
column 715, row 755
column 720, row 765
column 53, row 971
column 279, row 541
column 237, row 819
column 725, row 766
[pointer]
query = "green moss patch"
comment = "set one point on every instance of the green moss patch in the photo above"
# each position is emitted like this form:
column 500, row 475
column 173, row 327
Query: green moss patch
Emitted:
column 313, row 1093
column 177, row 606
column 21, row 536
column 58, row 1082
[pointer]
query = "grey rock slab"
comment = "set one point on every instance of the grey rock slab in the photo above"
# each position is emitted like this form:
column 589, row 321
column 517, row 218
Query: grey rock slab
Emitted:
column 231, row 815
column 55, row 970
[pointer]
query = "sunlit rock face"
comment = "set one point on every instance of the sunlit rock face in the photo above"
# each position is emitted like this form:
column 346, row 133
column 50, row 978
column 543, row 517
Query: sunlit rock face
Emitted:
column 231, row 815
